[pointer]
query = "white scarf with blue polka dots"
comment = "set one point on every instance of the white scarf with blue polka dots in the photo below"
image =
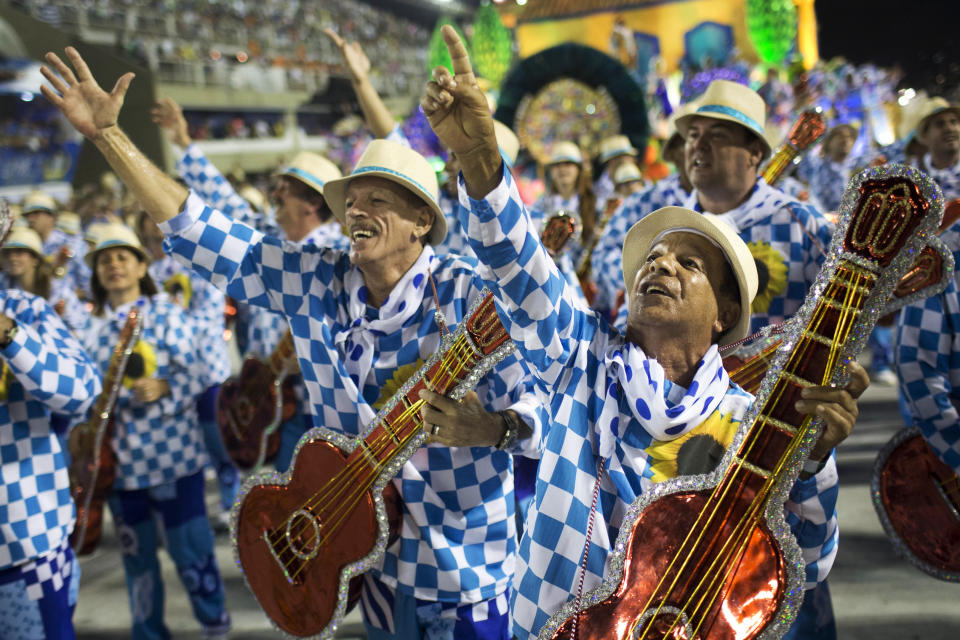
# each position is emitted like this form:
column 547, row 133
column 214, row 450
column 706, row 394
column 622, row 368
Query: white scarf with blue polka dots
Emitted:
column 357, row 341
column 641, row 381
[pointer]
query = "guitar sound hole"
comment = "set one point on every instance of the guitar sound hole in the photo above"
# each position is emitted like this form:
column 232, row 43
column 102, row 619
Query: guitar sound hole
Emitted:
column 661, row 623
column 242, row 414
column 303, row 533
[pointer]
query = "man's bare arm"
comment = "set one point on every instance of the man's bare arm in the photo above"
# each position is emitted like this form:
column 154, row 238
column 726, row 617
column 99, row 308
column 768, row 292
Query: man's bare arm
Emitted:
column 375, row 112
column 93, row 112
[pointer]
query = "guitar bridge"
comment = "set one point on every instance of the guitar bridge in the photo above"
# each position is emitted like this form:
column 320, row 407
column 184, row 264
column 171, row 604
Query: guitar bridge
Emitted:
column 300, row 543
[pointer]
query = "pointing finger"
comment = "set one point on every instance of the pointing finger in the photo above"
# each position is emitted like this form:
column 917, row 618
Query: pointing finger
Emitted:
column 458, row 55
column 337, row 40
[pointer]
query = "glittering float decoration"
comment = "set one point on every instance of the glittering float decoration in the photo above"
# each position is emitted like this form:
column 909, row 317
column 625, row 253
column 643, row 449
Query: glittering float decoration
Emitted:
column 492, row 45
column 772, row 27
column 711, row 556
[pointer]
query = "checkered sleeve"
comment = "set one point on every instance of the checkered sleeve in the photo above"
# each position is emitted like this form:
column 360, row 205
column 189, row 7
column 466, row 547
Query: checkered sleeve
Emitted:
column 811, row 512
column 207, row 311
column 243, row 262
column 533, row 297
column 927, row 360
column 607, row 255
column 46, row 359
column 207, row 181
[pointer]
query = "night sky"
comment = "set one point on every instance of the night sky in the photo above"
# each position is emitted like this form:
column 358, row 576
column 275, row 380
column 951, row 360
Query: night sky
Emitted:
column 922, row 36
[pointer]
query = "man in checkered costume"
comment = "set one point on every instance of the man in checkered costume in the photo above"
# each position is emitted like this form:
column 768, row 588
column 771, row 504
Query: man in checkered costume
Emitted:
column 362, row 322
column 301, row 217
column 42, row 368
column 939, row 131
column 613, row 406
column 724, row 150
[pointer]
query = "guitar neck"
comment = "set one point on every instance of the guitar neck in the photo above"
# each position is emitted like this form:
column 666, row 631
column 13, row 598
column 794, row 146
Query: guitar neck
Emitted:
column 283, row 356
column 779, row 163
column 105, row 402
column 465, row 356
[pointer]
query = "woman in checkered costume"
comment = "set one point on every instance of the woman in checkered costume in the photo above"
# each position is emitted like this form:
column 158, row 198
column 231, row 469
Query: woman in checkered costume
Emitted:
column 42, row 368
column 619, row 402
column 157, row 439
column 361, row 322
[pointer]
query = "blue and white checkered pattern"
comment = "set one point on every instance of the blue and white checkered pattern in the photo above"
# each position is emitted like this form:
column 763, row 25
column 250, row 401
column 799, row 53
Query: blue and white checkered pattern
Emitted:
column 799, row 191
column 927, row 361
column 78, row 273
column 607, row 257
column 159, row 441
column 948, row 179
column 49, row 573
column 74, row 314
column 566, row 347
column 206, row 309
column 458, row 536
column 829, row 180
column 44, row 368
column 205, row 179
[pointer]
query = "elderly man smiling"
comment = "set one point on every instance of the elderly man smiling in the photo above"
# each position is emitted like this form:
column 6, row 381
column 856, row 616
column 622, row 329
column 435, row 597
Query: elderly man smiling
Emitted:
column 619, row 402
column 362, row 322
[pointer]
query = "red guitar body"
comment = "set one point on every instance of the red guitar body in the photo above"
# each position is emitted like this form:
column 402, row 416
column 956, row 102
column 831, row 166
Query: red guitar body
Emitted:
column 917, row 498
column 92, row 474
column 311, row 604
column 247, row 406
column 752, row 591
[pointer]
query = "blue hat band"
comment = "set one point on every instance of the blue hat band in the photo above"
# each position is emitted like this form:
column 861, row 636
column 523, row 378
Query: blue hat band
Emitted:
column 739, row 116
column 300, row 173
column 371, row 168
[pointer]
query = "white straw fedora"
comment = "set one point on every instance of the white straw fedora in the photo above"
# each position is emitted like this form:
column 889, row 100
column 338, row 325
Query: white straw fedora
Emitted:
column 565, row 151
column 644, row 235
column 24, row 238
column 932, row 107
column 397, row 163
column 312, row 170
column 733, row 102
column 615, row 146
column 627, row 172
column 113, row 235
column 508, row 142
column 39, row 201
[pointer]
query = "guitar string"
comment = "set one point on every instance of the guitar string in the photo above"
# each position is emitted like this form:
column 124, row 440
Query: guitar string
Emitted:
column 744, row 530
column 381, row 442
column 723, row 487
column 377, row 448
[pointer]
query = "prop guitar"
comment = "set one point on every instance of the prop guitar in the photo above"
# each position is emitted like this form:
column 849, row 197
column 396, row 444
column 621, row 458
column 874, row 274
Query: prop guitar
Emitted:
column 92, row 460
column 63, row 257
column 301, row 537
column 808, row 128
column 557, row 231
column 929, row 275
column 252, row 405
column 710, row 556
column 917, row 498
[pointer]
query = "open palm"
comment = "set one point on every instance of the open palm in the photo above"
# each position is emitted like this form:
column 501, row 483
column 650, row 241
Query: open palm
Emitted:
column 85, row 104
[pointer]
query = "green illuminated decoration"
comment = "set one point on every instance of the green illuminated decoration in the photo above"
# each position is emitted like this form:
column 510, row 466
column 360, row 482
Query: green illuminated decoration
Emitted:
column 772, row 26
column 492, row 45
column 439, row 56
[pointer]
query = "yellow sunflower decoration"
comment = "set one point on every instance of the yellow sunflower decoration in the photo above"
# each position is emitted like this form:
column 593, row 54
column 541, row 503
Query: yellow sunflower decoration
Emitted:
column 141, row 364
column 179, row 288
column 399, row 378
column 771, row 272
column 695, row 452
column 6, row 377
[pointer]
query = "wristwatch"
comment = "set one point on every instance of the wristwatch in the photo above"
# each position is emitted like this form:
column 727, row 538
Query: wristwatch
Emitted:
column 10, row 335
column 510, row 433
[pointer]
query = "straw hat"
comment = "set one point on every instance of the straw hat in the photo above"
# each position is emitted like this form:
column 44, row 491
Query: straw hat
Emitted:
column 732, row 102
column 68, row 222
column 932, row 107
column 627, row 172
column 644, row 235
column 115, row 235
column 254, row 196
column 565, row 151
column 24, row 238
column 397, row 163
column 39, row 201
column 312, row 170
column 615, row 146
column 508, row 142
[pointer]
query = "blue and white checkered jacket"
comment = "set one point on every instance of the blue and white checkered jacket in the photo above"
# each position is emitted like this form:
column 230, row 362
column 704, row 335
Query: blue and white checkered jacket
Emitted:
column 77, row 273
column 565, row 346
column 159, row 441
column 927, row 361
column 44, row 368
column 948, row 179
column 607, row 257
column 205, row 306
column 829, row 180
column 458, row 538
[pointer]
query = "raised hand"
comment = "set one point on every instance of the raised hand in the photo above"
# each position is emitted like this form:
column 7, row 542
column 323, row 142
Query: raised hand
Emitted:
column 89, row 108
column 169, row 116
column 358, row 64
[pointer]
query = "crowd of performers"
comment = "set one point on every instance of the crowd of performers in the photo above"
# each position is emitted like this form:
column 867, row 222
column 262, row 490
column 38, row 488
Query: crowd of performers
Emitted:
column 367, row 271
